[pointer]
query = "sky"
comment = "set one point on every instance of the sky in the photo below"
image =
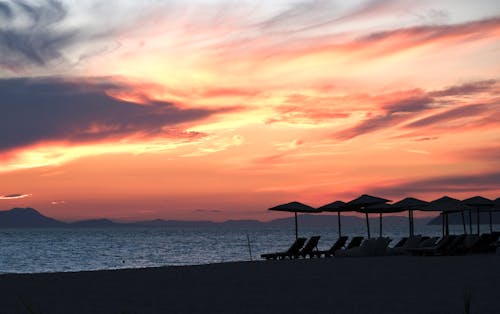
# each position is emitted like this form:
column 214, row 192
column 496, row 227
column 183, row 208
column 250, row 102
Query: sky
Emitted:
column 218, row 110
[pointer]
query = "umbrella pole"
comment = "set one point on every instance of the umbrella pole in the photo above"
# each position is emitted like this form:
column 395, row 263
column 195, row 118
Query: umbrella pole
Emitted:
column 447, row 225
column 491, row 224
column 380, row 227
column 463, row 222
column 470, row 221
column 442, row 223
column 338, row 221
column 296, row 228
column 477, row 211
column 409, row 222
column 367, row 225
column 412, row 224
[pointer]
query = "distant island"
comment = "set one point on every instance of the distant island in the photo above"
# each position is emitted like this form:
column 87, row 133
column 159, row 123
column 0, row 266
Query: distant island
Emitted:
column 31, row 218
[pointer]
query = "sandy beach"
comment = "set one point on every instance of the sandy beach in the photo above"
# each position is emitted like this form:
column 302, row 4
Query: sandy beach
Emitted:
column 338, row 285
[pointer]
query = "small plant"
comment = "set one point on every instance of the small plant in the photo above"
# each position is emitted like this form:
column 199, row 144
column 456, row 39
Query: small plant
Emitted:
column 467, row 301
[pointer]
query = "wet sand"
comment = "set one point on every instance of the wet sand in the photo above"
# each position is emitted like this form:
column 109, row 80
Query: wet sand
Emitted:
column 400, row 284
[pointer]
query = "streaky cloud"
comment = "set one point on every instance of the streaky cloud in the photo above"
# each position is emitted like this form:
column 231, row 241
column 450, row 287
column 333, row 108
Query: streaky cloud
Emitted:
column 51, row 109
column 37, row 43
column 465, row 89
column 452, row 114
column 480, row 182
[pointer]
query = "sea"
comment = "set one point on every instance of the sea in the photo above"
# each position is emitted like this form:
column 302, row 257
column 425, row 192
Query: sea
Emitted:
column 78, row 249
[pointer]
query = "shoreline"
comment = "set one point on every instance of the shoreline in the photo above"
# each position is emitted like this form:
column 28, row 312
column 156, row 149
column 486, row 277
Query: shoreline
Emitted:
column 395, row 284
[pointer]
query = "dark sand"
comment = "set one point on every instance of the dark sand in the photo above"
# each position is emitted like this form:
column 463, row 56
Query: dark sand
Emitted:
column 342, row 285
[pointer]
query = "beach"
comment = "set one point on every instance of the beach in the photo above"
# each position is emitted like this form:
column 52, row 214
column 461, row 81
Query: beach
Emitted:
column 396, row 284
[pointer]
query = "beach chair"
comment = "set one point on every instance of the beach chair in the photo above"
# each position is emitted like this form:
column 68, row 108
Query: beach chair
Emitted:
column 308, row 249
column 437, row 249
column 410, row 243
column 355, row 242
column 369, row 247
column 485, row 243
column 400, row 242
column 339, row 244
column 293, row 249
column 467, row 245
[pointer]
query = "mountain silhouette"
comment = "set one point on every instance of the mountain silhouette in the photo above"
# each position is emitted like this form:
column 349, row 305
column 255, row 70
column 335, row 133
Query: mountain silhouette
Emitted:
column 27, row 218
column 31, row 218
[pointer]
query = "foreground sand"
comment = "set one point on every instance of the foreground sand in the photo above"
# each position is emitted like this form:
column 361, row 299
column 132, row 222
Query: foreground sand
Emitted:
column 347, row 285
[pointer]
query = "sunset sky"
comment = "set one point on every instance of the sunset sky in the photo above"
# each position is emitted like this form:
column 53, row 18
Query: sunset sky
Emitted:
column 220, row 109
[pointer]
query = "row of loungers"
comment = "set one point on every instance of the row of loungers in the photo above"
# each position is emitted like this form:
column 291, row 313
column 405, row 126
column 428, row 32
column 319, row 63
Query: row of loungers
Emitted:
column 418, row 245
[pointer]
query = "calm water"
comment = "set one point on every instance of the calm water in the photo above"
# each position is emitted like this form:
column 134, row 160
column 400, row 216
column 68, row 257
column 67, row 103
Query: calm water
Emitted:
column 49, row 250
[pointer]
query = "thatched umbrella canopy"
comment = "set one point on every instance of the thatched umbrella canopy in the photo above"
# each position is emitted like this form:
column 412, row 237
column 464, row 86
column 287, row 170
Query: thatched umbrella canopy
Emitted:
column 448, row 205
column 411, row 204
column 365, row 200
column 381, row 208
column 295, row 207
column 480, row 204
column 336, row 207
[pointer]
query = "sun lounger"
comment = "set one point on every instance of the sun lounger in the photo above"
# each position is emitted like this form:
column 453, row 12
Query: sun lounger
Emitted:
column 339, row 244
column 369, row 247
column 293, row 250
column 438, row 249
column 355, row 242
column 485, row 243
column 400, row 242
column 411, row 243
column 308, row 249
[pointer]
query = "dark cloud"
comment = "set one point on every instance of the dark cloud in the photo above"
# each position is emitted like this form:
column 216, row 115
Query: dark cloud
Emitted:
column 402, row 110
column 423, row 34
column 35, row 110
column 423, row 139
column 5, row 10
column 14, row 196
column 36, row 43
column 459, row 183
column 412, row 104
column 452, row 114
column 466, row 89
column 369, row 125
column 397, row 112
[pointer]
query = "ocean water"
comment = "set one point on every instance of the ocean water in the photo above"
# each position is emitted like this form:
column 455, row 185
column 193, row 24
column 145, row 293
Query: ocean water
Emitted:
column 56, row 250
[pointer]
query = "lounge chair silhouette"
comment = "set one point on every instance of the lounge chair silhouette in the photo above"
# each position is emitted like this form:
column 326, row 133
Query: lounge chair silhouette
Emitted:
column 369, row 247
column 400, row 242
column 439, row 249
column 339, row 244
column 293, row 250
column 310, row 247
column 355, row 242
column 485, row 243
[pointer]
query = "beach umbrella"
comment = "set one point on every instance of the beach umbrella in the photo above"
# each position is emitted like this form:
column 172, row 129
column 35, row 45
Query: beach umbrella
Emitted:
column 295, row 207
column 411, row 204
column 365, row 200
column 449, row 205
column 337, row 207
column 381, row 208
column 480, row 204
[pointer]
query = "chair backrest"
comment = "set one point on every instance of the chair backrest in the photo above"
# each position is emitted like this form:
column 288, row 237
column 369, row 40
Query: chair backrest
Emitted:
column 401, row 242
column 355, row 242
column 381, row 245
column 338, row 244
column 412, row 242
column 445, row 241
column 428, row 242
column 310, row 245
column 470, row 241
column 296, row 246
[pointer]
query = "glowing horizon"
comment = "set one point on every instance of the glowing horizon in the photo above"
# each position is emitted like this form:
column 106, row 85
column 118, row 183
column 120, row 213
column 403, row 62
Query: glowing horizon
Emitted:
column 218, row 110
